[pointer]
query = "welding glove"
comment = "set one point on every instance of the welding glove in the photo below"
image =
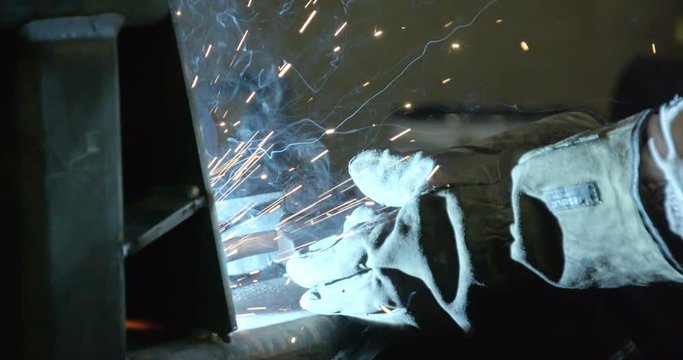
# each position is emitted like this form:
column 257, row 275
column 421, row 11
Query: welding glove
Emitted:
column 671, row 165
column 585, row 191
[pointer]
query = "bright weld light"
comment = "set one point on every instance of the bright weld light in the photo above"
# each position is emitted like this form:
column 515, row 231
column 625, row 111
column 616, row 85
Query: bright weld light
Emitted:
column 208, row 51
column 446, row 80
column 407, row 105
column 251, row 96
column 242, row 40
column 336, row 48
column 308, row 21
column 284, row 70
column 292, row 340
column 436, row 168
column 340, row 29
column 319, row 155
column 378, row 33
column 524, row 46
column 400, row 134
column 329, row 131
column 654, row 48
column 194, row 82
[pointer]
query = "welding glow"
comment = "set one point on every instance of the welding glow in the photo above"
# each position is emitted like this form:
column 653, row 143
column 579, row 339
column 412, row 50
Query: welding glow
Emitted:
column 284, row 70
column 340, row 29
column 308, row 21
column 251, row 96
column 400, row 134
column 524, row 46
column 319, row 155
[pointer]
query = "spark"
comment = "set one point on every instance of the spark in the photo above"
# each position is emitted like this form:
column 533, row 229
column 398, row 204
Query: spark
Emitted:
column 284, row 70
column 446, row 80
column 249, row 3
column 436, row 168
column 448, row 24
column 291, row 169
column 455, row 46
column 265, row 139
column 254, row 272
column 407, row 105
column 369, row 203
column 215, row 81
column 499, row 21
column 329, row 131
column 403, row 27
column 264, row 176
column 255, row 308
column 308, row 21
column 377, row 33
column 400, row 134
column 308, row 3
column 385, row 309
column 319, row 155
column 194, row 82
column 340, row 29
column 303, row 210
column 336, row 48
column 232, row 253
column 524, row 46
column 245, row 314
column 178, row 13
column 339, row 185
column 251, row 96
column 366, row 84
column 292, row 340
column 412, row 140
column 654, row 48
column 208, row 51
column 242, row 40
column 237, row 123
column 222, row 124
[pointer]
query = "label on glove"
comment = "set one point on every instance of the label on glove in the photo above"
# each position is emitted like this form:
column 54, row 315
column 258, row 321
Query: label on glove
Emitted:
column 572, row 197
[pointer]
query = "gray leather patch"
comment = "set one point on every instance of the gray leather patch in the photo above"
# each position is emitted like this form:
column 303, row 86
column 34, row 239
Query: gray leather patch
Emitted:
column 572, row 197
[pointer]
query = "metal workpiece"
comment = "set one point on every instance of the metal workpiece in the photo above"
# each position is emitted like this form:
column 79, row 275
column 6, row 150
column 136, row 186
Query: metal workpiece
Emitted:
column 16, row 12
column 68, row 187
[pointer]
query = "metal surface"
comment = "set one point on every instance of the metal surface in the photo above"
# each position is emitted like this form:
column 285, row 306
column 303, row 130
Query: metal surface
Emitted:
column 17, row 12
column 68, row 190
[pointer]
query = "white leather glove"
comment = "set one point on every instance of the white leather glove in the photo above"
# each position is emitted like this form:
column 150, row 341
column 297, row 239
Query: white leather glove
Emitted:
column 671, row 165
column 348, row 274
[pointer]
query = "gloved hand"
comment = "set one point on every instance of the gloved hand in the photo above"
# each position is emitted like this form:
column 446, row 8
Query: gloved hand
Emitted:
column 671, row 165
column 351, row 274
